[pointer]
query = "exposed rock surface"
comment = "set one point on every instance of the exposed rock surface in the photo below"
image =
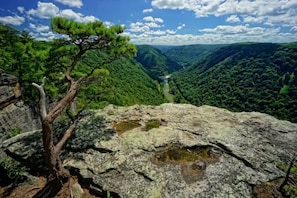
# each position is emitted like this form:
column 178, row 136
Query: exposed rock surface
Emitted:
column 9, row 89
column 13, row 113
column 172, row 150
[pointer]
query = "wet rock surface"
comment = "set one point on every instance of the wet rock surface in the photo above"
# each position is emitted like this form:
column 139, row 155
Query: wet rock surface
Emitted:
column 186, row 151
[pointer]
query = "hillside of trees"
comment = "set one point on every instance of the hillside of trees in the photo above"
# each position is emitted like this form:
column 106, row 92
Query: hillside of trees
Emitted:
column 187, row 55
column 123, row 82
column 243, row 77
column 240, row 77
column 155, row 62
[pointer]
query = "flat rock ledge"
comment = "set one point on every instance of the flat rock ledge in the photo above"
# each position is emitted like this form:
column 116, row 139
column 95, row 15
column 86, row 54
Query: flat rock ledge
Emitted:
column 171, row 150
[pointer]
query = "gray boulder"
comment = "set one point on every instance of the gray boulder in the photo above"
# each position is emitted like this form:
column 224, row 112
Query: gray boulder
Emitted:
column 173, row 150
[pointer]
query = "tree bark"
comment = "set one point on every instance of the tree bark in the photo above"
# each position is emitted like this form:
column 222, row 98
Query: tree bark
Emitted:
column 58, row 175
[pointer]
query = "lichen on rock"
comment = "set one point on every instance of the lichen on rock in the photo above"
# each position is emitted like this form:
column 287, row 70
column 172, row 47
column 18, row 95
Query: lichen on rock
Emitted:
column 197, row 151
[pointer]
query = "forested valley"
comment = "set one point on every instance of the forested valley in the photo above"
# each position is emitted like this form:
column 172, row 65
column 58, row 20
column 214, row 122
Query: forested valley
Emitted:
column 122, row 82
column 243, row 77
column 239, row 77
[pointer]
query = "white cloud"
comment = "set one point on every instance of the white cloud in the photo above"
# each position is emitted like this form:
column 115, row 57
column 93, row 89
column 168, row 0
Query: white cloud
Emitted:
column 148, row 18
column 147, row 10
column 152, row 19
column 108, row 24
column 172, row 4
column 87, row 19
column 20, row 9
column 47, row 34
column 251, row 19
column 219, row 34
column 70, row 14
column 49, row 10
column 152, row 25
column 233, row 19
column 294, row 28
column 213, row 38
column 159, row 20
column 146, row 25
column 138, row 27
column 12, row 20
column 39, row 28
column 44, row 10
column 270, row 11
column 170, row 31
column 71, row 3
column 181, row 26
column 239, row 29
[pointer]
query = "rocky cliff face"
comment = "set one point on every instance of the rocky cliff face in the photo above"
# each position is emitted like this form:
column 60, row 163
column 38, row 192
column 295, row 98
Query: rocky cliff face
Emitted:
column 172, row 150
column 13, row 113
column 9, row 89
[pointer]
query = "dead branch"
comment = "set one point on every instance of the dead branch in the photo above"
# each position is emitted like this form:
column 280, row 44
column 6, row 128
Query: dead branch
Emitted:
column 42, row 98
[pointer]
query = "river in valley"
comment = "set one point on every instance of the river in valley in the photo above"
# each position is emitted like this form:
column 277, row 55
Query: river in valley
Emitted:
column 166, row 93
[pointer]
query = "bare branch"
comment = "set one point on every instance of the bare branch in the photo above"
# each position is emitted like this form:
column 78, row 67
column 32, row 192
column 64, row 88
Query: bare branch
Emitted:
column 65, row 137
column 75, row 119
column 42, row 98
column 73, row 64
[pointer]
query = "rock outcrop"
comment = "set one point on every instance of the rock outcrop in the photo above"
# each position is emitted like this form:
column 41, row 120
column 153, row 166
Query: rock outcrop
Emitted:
column 172, row 150
column 14, row 115
column 9, row 89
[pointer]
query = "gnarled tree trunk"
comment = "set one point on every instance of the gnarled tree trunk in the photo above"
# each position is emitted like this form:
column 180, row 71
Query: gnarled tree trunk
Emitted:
column 59, row 175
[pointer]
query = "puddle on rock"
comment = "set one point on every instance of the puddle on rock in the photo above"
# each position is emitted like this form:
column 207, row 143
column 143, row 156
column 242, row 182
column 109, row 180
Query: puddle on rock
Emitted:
column 153, row 124
column 124, row 126
column 193, row 161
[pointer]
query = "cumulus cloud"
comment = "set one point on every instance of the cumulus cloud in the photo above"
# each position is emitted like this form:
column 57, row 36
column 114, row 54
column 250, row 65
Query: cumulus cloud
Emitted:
column 70, row 14
column 294, row 28
column 44, row 10
column 149, row 27
column 152, row 19
column 181, row 26
column 48, row 10
column 240, row 29
column 251, row 19
column 224, row 34
column 172, row 4
column 20, row 9
column 147, row 10
column 71, row 3
column 270, row 11
column 12, row 20
column 138, row 27
column 213, row 37
column 39, row 28
column 233, row 19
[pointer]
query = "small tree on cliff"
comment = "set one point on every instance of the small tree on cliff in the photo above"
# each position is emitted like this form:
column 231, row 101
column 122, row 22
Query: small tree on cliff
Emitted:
column 80, row 38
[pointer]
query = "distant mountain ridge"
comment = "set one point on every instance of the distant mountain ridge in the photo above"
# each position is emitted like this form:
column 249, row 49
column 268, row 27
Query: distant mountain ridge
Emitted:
column 244, row 77
column 155, row 62
column 187, row 55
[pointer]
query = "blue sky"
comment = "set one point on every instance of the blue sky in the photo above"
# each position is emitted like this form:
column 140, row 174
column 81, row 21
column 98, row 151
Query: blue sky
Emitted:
column 165, row 22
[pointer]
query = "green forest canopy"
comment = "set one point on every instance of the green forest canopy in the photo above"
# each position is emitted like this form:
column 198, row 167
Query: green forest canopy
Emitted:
column 123, row 82
column 244, row 77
